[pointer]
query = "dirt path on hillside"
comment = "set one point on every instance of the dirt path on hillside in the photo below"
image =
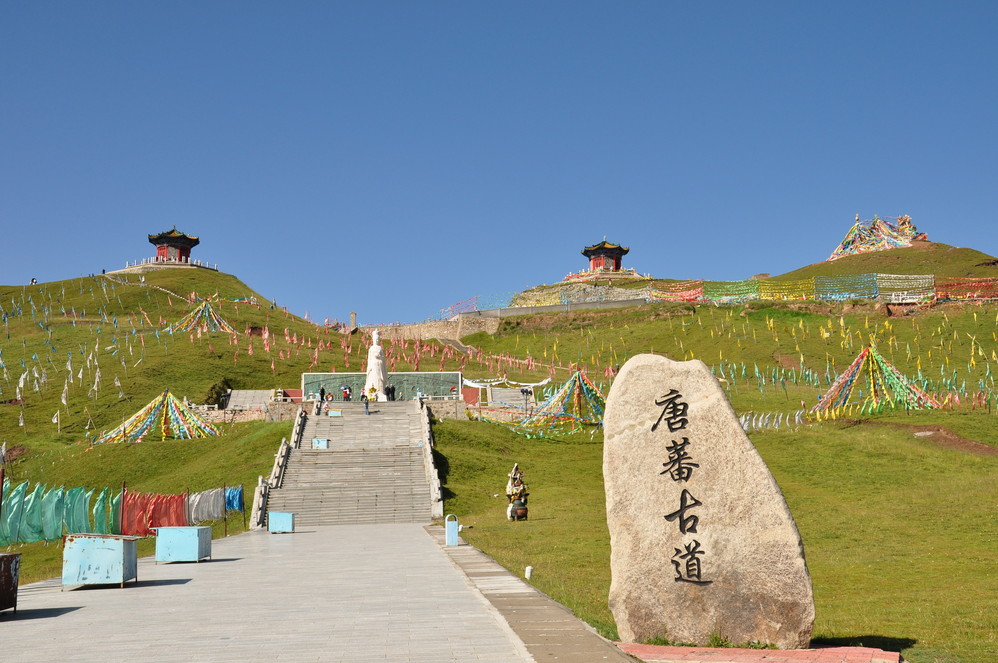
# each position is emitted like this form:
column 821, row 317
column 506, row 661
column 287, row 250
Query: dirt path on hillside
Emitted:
column 941, row 436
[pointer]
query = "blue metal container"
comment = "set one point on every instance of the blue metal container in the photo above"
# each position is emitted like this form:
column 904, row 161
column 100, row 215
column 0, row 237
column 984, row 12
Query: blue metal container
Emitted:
column 183, row 544
column 450, row 530
column 280, row 521
column 10, row 565
column 99, row 559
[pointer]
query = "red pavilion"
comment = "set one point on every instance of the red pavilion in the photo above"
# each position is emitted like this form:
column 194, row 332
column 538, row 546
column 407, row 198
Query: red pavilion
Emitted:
column 604, row 257
column 173, row 246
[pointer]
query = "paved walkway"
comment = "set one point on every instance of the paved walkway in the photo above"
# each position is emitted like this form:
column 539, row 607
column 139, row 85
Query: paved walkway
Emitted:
column 354, row 593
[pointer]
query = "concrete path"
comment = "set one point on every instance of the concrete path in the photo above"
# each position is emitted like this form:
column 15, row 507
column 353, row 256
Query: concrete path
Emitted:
column 549, row 630
column 354, row 593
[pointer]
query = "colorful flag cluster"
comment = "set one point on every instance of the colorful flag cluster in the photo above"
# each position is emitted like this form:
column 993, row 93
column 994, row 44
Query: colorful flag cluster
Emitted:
column 167, row 414
column 872, row 382
column 575, row 403
column 203, row 318
column 875, row 235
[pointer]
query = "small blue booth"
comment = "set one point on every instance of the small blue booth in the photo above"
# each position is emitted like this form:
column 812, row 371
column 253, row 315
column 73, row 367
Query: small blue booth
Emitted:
column 183, row 544
column 280, row 522
column 99, row 559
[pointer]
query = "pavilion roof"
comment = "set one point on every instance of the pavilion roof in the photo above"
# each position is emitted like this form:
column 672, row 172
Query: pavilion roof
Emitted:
column 604, row 247
column 174, row 237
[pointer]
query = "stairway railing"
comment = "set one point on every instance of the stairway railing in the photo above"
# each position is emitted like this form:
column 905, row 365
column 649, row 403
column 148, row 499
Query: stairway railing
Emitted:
column 258, row 515
column 436, row 499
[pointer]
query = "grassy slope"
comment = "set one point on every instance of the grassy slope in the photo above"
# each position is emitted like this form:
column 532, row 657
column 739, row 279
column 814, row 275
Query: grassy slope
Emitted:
column 828, row 338
column 922, row 258
column 900, row 534
column 143, row 362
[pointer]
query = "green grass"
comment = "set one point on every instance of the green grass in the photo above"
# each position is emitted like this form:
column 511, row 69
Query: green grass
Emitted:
column 900, row 534
column 825, row 337
column 922, row 258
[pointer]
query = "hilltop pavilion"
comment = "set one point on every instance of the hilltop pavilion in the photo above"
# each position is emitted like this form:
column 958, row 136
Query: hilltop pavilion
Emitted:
column 604, row 257
column 173, row 246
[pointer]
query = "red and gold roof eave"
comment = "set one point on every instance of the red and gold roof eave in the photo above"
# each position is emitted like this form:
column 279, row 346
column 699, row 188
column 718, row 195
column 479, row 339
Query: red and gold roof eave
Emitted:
column 604, row 247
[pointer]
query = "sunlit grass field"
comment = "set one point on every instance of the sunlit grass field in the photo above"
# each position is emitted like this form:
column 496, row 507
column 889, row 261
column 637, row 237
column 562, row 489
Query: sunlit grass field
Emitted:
column 900, row 534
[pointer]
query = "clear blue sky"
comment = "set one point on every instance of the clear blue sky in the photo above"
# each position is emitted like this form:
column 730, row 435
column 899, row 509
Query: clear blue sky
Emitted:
column 393, row 158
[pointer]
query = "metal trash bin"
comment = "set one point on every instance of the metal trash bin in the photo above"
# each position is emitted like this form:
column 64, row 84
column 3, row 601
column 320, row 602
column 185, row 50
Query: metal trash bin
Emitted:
column 450, row 530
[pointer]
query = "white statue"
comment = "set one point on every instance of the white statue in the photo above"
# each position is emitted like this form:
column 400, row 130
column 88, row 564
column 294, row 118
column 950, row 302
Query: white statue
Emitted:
column 377, row 374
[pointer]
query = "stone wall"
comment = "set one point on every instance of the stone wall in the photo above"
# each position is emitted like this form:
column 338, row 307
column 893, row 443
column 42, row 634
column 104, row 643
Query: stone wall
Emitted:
column 230, row 416
column 442, row 329
column 454, row 409
column 281, row 411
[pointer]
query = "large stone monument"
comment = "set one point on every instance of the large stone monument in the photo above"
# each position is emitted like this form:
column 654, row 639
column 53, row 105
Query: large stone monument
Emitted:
column 702, row 541
column 377, row 372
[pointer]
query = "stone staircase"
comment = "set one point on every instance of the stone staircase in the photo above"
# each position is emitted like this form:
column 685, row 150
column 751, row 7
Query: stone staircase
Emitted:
column 373, row 471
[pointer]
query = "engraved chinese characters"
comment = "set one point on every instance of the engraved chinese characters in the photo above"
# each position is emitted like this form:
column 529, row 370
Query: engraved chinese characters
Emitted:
column 680, row 467
column 701, row 539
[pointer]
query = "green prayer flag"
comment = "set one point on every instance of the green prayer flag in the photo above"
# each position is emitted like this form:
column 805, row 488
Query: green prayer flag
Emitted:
column 53, row 508
column 10, row 513
column 31, row 516
column 116, row 514
column 100, row 514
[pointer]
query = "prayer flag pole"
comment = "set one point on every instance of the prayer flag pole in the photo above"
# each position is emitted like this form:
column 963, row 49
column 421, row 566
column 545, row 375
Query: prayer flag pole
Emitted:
column 225, row 514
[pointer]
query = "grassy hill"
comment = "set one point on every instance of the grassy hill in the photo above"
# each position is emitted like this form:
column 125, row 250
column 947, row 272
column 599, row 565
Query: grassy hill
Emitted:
column 920, row 258
column 940, row 260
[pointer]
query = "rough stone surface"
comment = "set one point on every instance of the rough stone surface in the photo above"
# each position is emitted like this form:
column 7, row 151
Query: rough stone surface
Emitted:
column 753, row 583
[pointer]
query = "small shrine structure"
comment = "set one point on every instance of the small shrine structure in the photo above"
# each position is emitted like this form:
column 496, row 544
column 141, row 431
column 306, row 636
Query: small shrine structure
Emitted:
column 173, row 246
column 604, row 263
column 604, row 257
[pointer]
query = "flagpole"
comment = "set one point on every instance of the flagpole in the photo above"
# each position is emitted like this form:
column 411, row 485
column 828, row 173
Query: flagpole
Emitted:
column 225, row 514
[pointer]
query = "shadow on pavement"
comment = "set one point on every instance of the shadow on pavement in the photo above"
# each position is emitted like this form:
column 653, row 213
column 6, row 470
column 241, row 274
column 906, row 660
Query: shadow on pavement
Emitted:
column 37, row 613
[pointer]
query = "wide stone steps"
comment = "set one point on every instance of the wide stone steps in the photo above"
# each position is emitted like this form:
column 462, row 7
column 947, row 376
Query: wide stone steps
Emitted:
column 372, row 472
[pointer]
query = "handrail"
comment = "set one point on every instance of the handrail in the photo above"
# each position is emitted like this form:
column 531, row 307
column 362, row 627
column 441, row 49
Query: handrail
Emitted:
column 280, row 464
column 261, row 493
column 299, row 428
column 258, row 513
column 432, row 476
